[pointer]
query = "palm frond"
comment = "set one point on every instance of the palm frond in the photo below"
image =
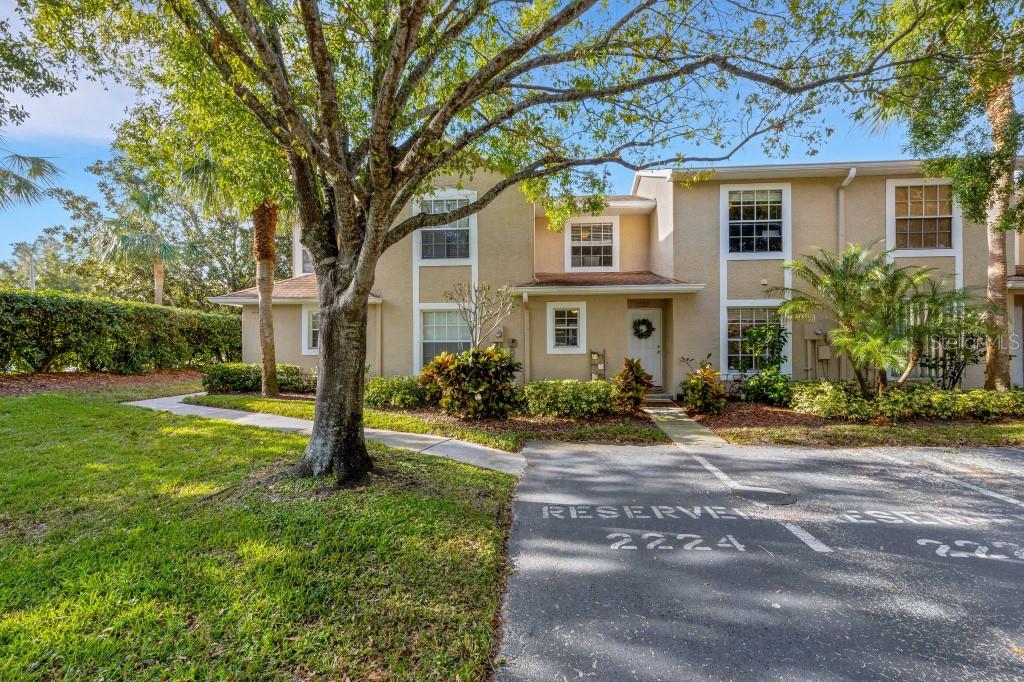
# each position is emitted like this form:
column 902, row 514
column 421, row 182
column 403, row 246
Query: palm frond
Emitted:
column 25, row 179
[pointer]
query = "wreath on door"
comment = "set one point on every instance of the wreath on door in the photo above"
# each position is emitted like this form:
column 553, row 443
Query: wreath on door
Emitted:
column 643, row 328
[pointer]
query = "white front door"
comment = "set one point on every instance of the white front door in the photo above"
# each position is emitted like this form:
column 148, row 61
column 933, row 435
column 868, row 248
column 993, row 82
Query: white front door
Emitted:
column 649, row 349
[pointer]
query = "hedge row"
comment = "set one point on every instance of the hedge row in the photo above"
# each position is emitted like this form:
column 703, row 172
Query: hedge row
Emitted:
column 237, row 377
column 51, row 331
column 559, row 398
column 835, row 400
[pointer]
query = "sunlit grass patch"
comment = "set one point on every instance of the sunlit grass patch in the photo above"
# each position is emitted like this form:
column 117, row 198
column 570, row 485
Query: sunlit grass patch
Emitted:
column 119, row 561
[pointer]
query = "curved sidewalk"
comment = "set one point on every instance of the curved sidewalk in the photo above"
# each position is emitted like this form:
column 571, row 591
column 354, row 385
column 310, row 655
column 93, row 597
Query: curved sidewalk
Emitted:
column 461, row 451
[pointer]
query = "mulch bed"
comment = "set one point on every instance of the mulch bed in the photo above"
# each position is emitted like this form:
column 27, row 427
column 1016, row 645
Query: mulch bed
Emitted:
column 23, row 384
column 739, row 414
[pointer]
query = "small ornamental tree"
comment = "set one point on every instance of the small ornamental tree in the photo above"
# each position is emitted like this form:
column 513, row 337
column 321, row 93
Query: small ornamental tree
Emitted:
column 376, row 104
column 481, row 308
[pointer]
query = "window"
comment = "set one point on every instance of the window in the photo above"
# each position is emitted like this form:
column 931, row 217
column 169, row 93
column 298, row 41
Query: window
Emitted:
column 924, row 217
column 446, row 242
column 310, row 329
column 755, row 221
column 444, row 331
column 567, row 328
column 741, row 319
column 591, row 245
column 307, row 262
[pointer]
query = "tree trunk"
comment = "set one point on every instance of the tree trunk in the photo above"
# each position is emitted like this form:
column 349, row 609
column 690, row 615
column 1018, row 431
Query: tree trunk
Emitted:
column 158, row 282
column 337, row 444
column 915, row 357
column 883, row 380
column 1000, row 110
column 264, row 229
column 862, row 382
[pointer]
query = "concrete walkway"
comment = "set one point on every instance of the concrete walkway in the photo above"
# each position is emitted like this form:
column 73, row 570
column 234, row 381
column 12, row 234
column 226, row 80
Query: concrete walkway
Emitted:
column 461, row 451
column 684, row 432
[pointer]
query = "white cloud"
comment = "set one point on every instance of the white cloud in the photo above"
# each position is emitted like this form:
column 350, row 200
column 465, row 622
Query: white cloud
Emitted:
column 88, row 112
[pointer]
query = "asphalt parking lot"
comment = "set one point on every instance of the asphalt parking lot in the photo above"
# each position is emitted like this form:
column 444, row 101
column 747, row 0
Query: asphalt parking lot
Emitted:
column 640, row 563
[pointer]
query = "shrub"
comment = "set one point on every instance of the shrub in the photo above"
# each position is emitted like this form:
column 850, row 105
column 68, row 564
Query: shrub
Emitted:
column 569, row 398
column 630, row 386
column 771, row 387
column 238, row 377
column 49, row 331
column 832, row 400
column 474, row 384
column 400, row 392
column 702, row 392
column 914, row 401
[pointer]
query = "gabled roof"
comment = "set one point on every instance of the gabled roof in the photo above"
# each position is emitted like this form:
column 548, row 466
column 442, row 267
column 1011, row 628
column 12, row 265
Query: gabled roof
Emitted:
column 301, row 289
column 639, row 282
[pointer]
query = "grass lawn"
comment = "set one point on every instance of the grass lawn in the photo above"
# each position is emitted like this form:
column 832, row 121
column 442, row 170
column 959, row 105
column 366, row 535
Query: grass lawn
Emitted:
column 509, row 435
column 748, row 424
column 117, row 563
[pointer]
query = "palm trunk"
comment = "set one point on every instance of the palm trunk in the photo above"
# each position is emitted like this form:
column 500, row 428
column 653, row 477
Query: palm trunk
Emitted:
column 337, row 443
column 912, row 361
column 1000, row 110
column 883, row 380
column 264, row 229
column 158, row 282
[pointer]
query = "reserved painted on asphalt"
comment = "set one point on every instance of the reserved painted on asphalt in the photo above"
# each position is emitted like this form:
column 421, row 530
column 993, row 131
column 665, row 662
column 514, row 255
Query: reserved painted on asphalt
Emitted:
column 640, row 511
column 927, row 518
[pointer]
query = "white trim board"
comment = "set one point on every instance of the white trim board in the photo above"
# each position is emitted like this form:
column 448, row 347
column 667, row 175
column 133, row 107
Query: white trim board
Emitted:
column 417, row 262
column 549, row 315
column 724, row 257
column 307, row 309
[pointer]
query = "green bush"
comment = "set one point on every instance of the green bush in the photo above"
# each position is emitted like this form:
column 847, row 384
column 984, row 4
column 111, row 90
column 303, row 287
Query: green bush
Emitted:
column 914, row 401
column 400, row 392
column 52, row 331
column 770, row 387
column 569, row 398
column 631, row 386
column 475, row 384
column 832, row 400
column 702, row 392
column 238, row 377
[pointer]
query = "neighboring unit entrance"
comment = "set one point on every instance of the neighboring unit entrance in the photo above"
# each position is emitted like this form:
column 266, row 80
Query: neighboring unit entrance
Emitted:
column 649, row 349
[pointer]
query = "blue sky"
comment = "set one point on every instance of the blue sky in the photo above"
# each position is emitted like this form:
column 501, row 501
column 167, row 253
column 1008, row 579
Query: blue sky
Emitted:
column 75, row 130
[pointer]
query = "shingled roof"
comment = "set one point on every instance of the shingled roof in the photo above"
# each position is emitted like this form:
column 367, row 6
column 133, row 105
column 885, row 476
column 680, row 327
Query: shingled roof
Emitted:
column 299, row 289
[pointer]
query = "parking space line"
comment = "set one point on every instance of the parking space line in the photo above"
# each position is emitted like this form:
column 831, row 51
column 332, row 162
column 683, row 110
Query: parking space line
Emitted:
column 805, row 537
column 718, row 473
column 953, row 479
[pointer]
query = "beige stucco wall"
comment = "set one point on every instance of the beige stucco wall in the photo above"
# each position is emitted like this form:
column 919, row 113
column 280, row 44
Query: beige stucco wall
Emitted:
column 436, row 280
column 288, row 340
column 661, row 223
column 607, row 330
column 634, row 245
column 745, row 278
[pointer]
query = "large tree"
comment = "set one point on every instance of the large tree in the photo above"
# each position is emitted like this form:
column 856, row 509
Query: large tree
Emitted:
column 962, row 118
column 376, row 103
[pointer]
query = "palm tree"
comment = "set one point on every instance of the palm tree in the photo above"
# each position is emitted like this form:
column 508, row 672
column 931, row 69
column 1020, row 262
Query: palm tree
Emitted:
column 205, row 181
column 937, row 311
column 24, row 179
column 137, row 237
column 870, row 300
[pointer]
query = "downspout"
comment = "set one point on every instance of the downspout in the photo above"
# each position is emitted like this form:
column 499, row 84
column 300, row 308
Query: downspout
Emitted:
column 526, row 337
column 841, row 209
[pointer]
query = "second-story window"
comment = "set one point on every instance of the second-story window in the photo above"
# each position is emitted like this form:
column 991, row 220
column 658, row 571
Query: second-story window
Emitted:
column 755, row 221
column 924, row 217
column 592, row 245
column 307, row 262
column 450, row 241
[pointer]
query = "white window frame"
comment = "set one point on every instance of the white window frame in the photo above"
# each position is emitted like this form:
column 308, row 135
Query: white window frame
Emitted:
column 307, row 317
column 723, row 334
column 581, row 348
column 956, row 251
column 787, row 221
column 417, row 239
column 614, row 220
column 431, row 308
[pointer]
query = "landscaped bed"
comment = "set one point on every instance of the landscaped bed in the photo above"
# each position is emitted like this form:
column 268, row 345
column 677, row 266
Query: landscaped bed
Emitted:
column 20, row 384
column 143, row 545
column 754, row 424
column 504, row 434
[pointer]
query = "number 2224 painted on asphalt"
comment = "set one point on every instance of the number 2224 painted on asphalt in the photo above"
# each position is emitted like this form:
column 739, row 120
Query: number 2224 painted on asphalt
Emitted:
column 980, row 551
column 657, row 541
